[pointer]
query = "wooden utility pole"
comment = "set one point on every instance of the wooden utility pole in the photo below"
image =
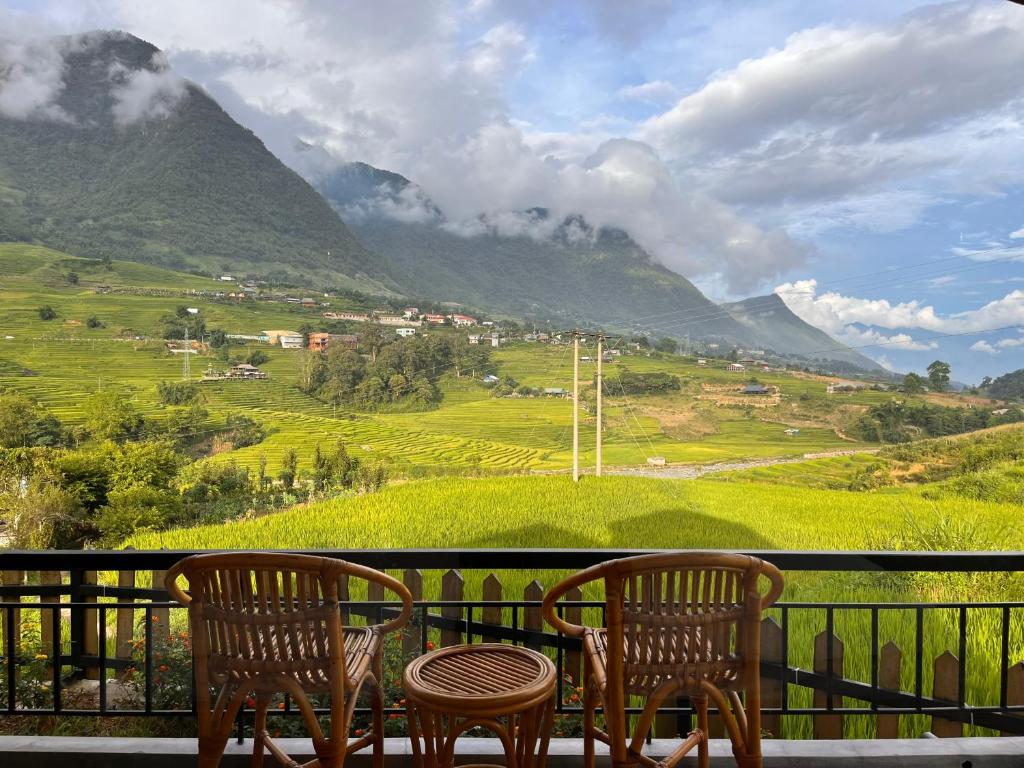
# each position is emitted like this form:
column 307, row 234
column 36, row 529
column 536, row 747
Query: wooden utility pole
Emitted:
column 576, row 406
column 600, row 387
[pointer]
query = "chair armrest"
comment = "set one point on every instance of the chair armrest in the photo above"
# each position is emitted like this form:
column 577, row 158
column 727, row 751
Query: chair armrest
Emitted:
column 388, row 582
column 171, row 583
column 553, row 595
column 778, row 583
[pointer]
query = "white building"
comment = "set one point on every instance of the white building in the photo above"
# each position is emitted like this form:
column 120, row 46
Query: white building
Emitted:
column 405, row 332
column 291, row 341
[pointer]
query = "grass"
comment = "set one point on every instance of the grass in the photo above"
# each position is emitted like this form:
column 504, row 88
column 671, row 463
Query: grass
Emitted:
column 615, row 512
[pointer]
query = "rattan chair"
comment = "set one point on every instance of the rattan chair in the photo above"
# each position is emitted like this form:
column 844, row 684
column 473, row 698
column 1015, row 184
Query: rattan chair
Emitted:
column 265, row 623
column 686, row 624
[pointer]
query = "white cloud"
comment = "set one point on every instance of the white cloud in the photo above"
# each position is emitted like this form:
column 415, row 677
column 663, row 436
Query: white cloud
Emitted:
column 145, row 94
column 500, row 50
column 31, row 78
column 984, row 346
column 653, row 91
column 825, row 130
column 853, row 320
column 938, row 282
column 1018, row 234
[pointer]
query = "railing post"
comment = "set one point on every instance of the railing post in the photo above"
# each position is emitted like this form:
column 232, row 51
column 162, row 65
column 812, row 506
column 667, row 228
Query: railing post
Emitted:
column 491, row 614
column 49, row 579
column 771, row 686
column 1015, row 687
column 946, row 685
column 90, row 627
column 11, row 579
column 413, row 580
column 125, row 618
column 161, row 616
column 574, row 615
column 451, row 589
column 890, row 659
column 828, row 726
column 533, row 620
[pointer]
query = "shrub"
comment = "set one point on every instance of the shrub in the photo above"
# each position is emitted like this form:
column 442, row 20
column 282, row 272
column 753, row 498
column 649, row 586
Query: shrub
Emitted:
column 47, row 313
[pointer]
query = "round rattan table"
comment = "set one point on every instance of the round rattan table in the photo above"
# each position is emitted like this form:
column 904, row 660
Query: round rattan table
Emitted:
column 507, row 690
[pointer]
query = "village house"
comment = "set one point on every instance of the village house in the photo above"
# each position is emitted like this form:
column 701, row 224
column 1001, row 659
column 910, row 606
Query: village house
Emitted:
column 791, row 432
column 434, row 319
column 756, row 389
column 411, row 312
column 318, row 341
column 555, row 392
column 463, row 320
column 490, row 378
column 308, row 302
column 405, row 332
column 291, row 341
column 843, row 387
column 248, row 337
column 245, row 371
column 736, row 368
column 274, row 337
column 701, row 361
column 474, row 338
column 354, row 317
column 395, row 320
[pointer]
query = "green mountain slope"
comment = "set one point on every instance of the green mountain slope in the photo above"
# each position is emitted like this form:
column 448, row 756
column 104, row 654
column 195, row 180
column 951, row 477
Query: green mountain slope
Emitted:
column 772, row 325
column 188, row 188
column 573, row 274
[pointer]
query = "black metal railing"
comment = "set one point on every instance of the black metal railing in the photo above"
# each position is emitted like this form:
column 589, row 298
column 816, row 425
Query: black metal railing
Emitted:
column 76, row 606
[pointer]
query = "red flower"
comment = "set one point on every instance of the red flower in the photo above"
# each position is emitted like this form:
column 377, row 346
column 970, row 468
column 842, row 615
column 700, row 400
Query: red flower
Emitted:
column 430, row 646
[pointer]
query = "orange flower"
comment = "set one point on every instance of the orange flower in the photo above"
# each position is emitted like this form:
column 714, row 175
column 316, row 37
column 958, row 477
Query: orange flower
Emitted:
column 359, row 731
column 392, row 717
column 430, row 646
column 250, row 702
column 574, row 698
column 163, row 668
column 280, row 705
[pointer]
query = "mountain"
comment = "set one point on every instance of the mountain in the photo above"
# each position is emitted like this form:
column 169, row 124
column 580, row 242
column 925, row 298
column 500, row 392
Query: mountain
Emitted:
column 131, row 162
column 770, row 324
column 529, row 265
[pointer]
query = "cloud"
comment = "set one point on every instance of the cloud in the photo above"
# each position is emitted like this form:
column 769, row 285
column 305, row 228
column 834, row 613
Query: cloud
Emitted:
column 654, row 91
column 1018, row 234
column 984, row 346
column 499, row 51
column 145, row 94
column 938, row 282
column 853, row 320
column 31, row 78
column 840, row 119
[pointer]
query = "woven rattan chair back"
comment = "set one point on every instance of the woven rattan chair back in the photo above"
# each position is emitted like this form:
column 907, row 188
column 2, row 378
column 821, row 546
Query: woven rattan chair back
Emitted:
column 676, row 624
column 265, row 617
column 270, row 623
column 683, row 623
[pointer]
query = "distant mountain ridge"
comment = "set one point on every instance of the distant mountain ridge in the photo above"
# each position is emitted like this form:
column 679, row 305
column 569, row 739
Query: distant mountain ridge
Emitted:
column 184, row 187
column 773, row 325
column 563, row 270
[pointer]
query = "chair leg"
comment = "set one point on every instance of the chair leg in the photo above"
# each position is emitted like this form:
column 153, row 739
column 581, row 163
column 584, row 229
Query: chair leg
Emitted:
column 700, row 703
column 260, row 732
column 377, row 704
column 589, row 705
column 211, row 749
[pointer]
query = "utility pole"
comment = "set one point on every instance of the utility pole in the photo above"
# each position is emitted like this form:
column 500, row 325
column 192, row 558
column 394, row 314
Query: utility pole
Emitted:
column 600, row 387
column 186, row 366
column 576, row 405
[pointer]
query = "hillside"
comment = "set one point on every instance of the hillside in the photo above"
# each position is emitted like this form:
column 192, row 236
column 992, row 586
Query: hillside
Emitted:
column 772, row 325
column 172, row 181
column 574, row 274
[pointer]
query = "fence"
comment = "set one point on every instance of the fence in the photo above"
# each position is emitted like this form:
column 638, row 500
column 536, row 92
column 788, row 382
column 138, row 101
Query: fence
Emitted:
column 822, row 662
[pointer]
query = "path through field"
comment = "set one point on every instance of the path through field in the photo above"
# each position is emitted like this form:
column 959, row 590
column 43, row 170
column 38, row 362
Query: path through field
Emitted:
column 693, row 471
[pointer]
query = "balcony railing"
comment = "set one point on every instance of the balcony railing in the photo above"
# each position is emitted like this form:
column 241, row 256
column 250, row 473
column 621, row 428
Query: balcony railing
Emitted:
column 947, row 664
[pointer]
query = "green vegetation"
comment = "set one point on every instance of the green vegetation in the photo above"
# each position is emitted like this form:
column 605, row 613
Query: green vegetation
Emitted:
column 1010, row 386
column 193, row 191
column 897, row 421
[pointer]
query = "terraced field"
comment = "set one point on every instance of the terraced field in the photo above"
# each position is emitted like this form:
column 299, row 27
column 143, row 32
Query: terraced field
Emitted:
column 61, row 361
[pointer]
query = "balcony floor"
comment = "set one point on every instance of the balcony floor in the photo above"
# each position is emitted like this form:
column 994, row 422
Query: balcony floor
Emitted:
column 42, row 752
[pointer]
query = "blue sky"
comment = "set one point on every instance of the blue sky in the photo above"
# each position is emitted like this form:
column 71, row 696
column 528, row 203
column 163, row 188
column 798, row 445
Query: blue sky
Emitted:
column 864, row 159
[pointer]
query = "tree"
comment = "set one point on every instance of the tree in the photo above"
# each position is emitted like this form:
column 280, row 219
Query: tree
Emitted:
column 94, row 322
column 261, row 478
column 669, row 345
column 109, row 415
column 257, row 357
column 323, row 470
column 176, row 392
column 938, row 375
column 289, row 468
column 44, row 517
column 24, row 424
column 218, row 338
column 47, row 313
column 311, row 371
column 142, row 508
column 913, row 384
column 72, row 278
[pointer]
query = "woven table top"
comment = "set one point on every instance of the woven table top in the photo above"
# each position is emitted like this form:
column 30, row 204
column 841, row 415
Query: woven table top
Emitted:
column 467, row 678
